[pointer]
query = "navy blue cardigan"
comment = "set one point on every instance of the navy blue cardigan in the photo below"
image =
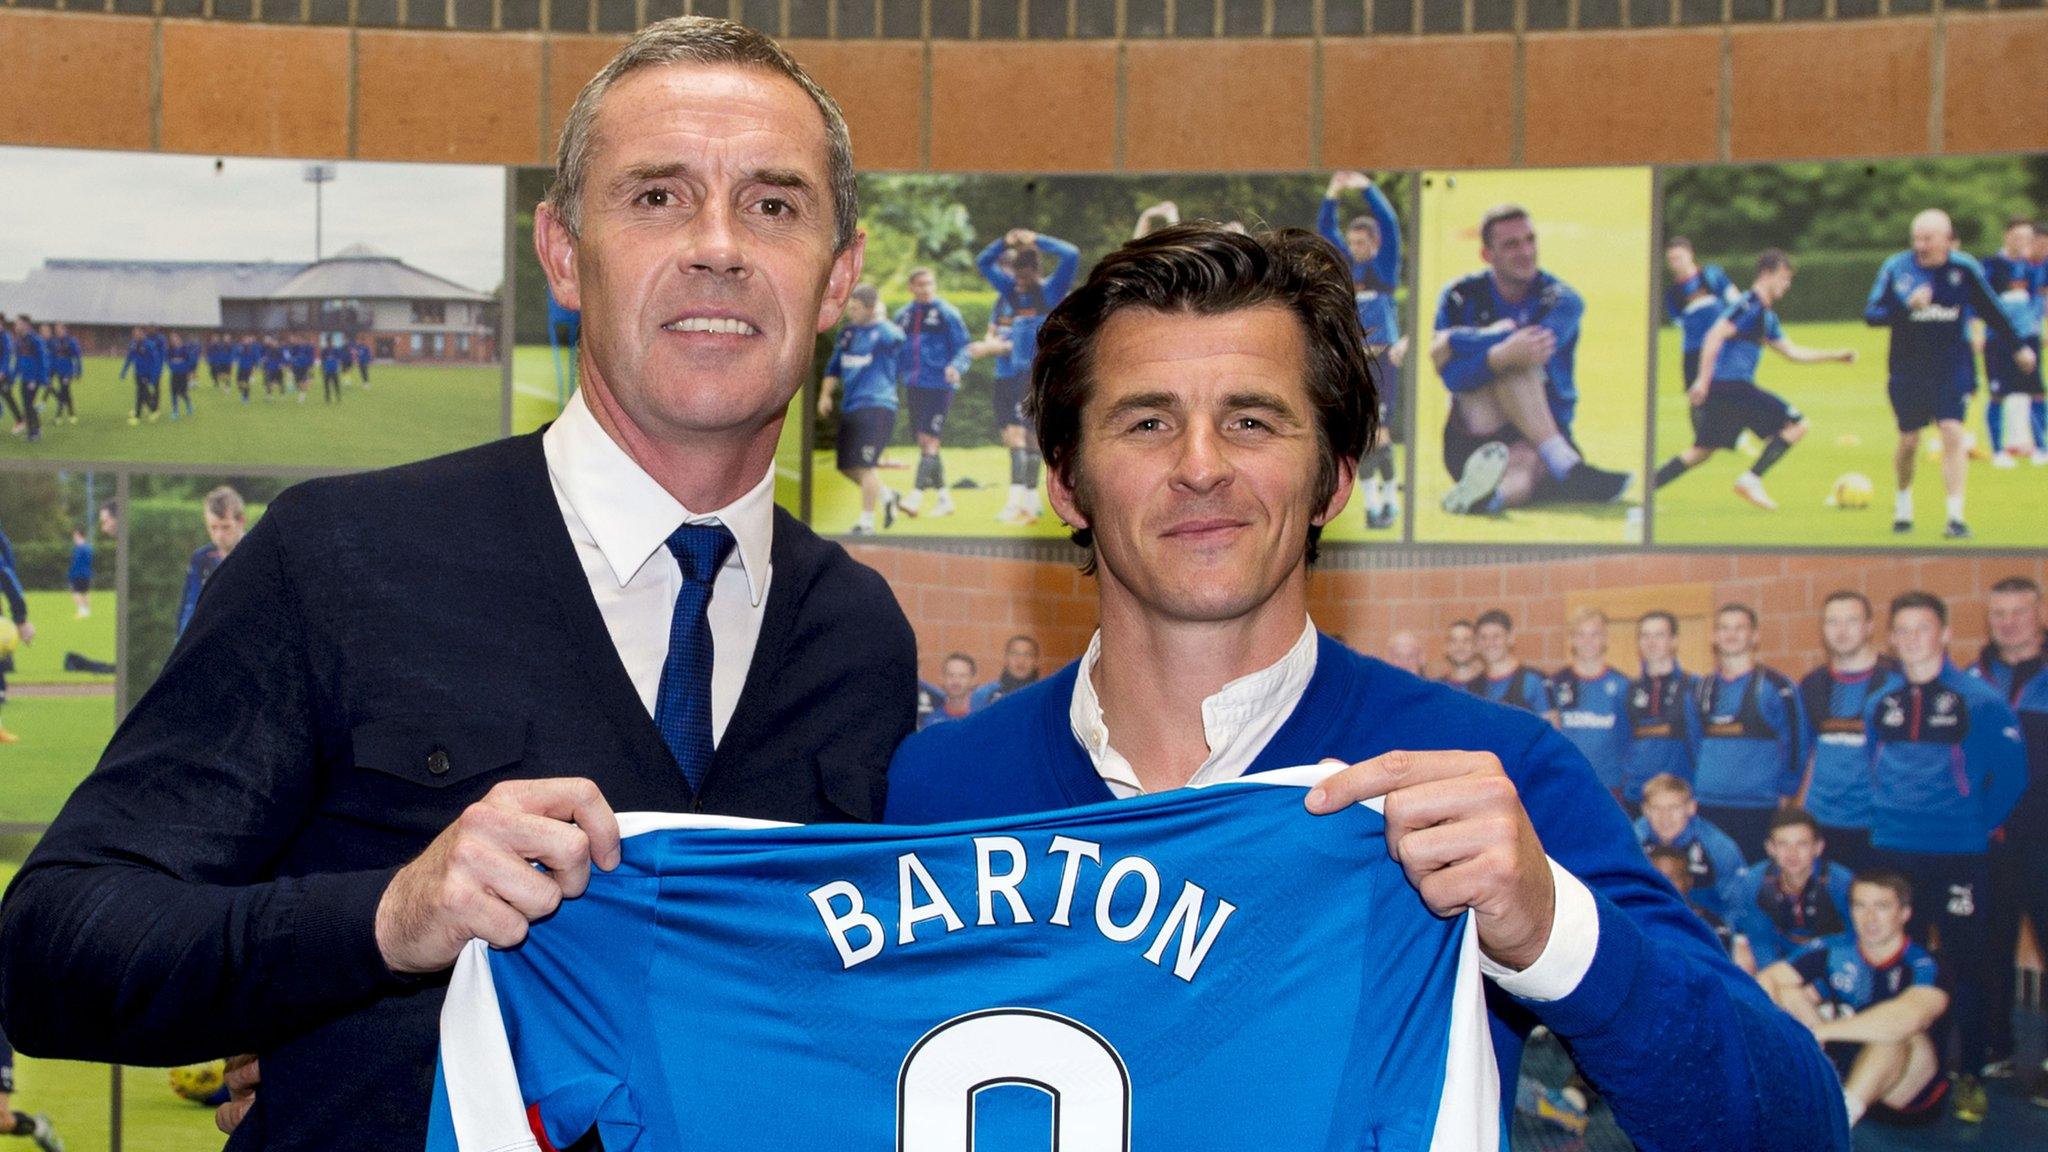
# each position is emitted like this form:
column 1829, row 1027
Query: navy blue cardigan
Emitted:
column 1687, row 1049
column 379, row 652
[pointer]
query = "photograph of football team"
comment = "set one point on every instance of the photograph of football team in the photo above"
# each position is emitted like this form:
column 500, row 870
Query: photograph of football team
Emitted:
column 547, row 342
column 919, row 425
column 1530, row 409
column 1849, row 354
column 247, row 311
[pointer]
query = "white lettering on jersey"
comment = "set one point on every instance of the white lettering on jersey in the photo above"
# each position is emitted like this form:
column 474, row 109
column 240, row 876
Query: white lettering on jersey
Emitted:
column 854, row 362
column 909, row 913
column 989, row 884
column 1191, row 925
column 1602, row 721
column 1938, row 314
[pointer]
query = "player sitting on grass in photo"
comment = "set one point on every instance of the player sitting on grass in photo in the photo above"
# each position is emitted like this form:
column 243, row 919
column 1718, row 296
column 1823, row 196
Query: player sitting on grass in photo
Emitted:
column 862, row 371
column 1723, row 390
column 1506, row 342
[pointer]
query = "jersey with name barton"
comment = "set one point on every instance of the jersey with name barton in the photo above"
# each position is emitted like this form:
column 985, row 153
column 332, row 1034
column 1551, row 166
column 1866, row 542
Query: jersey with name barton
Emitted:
column 1208, row 968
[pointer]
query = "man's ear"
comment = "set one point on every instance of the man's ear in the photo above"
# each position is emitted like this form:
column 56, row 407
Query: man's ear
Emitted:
column 1347, row 474
column 839, row 284
column 556, row 247
column 1064, row 501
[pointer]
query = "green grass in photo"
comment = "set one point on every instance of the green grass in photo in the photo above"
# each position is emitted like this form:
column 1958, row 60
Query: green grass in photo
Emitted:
column 409, row 412
column 59, row 630
column 1349, row 526
column 1851, row 430
column 835, row 501
column 60, row 739
column 1593, row 232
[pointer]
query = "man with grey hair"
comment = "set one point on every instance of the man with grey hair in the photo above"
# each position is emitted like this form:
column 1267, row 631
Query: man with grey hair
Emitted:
column 373, row 724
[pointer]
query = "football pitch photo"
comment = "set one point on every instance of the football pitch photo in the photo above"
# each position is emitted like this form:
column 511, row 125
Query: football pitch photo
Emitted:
column 408, row 412
column 62, row 720
column 1851, row 431
column 978, row 478
column 1593, row 233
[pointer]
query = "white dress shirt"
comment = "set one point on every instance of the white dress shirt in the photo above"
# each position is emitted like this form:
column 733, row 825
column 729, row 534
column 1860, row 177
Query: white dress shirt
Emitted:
column 620, row 521
column 1238, row 722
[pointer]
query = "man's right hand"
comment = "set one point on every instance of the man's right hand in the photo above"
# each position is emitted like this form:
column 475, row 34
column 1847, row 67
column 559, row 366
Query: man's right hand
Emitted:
column 477, row 879
column 28, row 632
column 243, row 1076
column 1920, row 297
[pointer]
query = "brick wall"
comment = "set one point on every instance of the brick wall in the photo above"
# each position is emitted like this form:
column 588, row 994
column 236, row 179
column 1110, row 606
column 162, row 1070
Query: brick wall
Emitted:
column 1891, row 87
column 972, row 604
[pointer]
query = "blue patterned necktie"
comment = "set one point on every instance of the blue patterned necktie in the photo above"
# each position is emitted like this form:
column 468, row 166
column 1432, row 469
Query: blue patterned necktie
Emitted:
column 682, row 707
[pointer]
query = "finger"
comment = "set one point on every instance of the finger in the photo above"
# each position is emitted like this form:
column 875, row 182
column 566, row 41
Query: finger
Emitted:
column 229, row 1115
column 1425, row 851
column 499, row 925
column 512, row 881
column 564, row 848
column 572, row 799
column 243, row 1074
column 1458, row 888
column 1384, row 773
column 1473, row 796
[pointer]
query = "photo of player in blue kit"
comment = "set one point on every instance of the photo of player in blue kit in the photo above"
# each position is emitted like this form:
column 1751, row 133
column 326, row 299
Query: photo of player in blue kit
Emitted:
column 2021, row 282
column 1505, row 347
column 861, row 374
column 1871, row 996
column 31, row 374
column 1948, row 764
column 1695, row 297
column 182, row 362
column 1753, row 734
column 334, row 357
column 1504, row 678
column 220, row 359
column 930, row 363
column 1671, row 819
column 1926, row 295
column 1591, row 699
column 248, row 355
column 1721, row 382
column 1795, row 896
column 1371, row 245
column 146, row 355
column 1663, row 711
column 67, row 361
column 1015, row 267
column 1837, row 785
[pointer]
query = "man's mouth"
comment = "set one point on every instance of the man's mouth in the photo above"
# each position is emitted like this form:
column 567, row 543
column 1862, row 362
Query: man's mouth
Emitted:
column 713, row 325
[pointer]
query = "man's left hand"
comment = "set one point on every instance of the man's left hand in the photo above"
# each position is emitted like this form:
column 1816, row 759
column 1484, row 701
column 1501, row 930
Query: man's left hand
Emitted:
column 1456, row 825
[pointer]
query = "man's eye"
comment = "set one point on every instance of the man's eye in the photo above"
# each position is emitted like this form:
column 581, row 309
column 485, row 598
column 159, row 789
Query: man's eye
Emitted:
column 657, row 198
column 1148, row 424
column 775, row 206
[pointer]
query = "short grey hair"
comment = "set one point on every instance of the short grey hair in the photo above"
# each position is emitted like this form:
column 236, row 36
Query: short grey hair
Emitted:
column 698, row 40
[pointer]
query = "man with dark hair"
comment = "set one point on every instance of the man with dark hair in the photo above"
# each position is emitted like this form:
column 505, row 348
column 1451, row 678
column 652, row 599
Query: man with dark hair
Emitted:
column 1926, row 296
column 1674, row 866
column 1795, row 896
column 1463, row 667
column 1020, row 670
column 1836, row 788
column 1203, row 400
column 67, row 361
column 863, row 369
column 1695, row 298
column 353, row 757
column 1948, row 765
column 2017, row 650
column 929, row 363
column 1506, row 346
column 1723, row 390
column 1505, row 679
column 1014, row 265
column 1371, row 245
column 954, row 699
column 2021, row 284
column 1753, row 734
column 31, row 372
column 248, row 354
column 1663, row 711
column 1591, row 698
column 1871, row 997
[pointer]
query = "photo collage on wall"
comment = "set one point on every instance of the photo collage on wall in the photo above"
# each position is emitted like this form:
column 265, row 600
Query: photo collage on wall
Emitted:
column 1795, row 356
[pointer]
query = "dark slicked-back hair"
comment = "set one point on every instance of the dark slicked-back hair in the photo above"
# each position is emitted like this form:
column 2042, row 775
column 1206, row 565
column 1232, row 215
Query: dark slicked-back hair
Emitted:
column 1203, row 269
column 1917, row 599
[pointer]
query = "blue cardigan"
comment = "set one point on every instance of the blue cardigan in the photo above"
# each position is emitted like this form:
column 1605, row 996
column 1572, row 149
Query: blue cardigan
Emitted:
column 1687, row 1050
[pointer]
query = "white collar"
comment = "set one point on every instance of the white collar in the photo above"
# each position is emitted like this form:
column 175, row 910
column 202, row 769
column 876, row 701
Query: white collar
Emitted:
column 630, row 516
column 1236, row 722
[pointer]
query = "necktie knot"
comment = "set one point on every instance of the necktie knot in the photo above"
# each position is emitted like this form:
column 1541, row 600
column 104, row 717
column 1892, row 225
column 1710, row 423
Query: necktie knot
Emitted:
column 701, row 550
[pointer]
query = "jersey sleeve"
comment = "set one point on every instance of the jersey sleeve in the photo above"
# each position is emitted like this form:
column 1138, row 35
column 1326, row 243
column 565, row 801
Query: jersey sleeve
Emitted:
column 1386, row 263
column 1066, row 263
column 541, row 1038
column 990, row 263
column 1994, row 741
column 1794, row 737
column 1884, row 307
column 1922, row 967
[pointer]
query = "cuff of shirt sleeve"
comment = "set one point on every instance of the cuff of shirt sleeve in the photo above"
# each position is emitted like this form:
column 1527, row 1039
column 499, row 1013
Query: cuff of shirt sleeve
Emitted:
column 335, row 933
column 1566, row 958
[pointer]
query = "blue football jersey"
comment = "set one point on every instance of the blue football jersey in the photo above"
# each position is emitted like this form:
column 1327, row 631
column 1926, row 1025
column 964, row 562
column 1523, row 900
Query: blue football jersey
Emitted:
column 1204, row 968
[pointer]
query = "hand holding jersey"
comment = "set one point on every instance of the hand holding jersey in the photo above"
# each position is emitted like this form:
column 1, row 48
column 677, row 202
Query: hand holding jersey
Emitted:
column 477, row 880
column 1456, row 825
